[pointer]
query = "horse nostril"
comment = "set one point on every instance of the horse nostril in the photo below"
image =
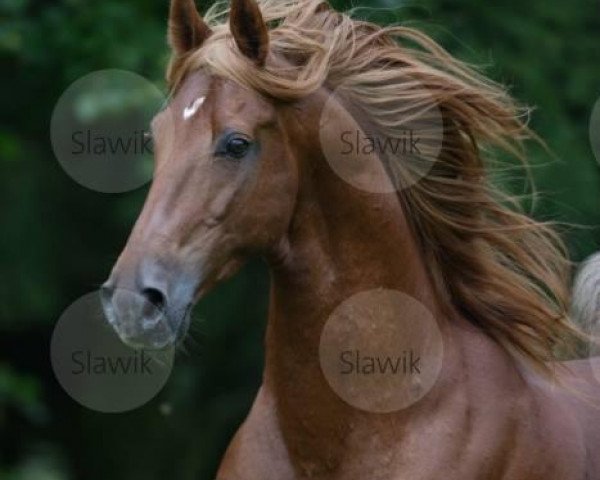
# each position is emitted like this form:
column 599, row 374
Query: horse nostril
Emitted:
column 155, row 297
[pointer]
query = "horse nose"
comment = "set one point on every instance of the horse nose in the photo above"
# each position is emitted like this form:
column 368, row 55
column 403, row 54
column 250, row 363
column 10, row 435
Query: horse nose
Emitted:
column 139, row 309
column 155, row 296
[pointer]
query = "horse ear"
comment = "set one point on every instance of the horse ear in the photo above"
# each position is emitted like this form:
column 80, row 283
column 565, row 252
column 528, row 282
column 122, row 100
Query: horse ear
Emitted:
column 187, row 30
column 249, row 30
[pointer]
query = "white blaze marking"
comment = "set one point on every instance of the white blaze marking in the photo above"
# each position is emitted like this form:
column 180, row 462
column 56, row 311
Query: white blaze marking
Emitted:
column 193, row 108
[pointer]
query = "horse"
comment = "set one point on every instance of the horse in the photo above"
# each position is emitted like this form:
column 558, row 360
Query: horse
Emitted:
column 242, row 169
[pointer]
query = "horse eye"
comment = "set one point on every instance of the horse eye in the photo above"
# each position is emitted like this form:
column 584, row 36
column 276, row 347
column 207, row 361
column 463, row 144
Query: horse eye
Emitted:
column 237, row 147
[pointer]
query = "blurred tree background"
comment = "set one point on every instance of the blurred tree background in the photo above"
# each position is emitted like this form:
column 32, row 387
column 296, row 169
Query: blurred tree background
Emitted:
column 59, row 240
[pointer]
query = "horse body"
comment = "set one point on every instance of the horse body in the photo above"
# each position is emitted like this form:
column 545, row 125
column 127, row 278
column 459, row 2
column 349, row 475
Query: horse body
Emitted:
column 514, row 435
column 241, row 170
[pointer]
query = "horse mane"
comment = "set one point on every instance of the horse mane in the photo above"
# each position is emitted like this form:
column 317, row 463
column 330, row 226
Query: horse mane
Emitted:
column 586, row 294
column 506, row 272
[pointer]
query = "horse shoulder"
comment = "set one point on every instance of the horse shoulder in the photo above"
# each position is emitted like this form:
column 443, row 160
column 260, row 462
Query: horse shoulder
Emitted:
column 257, row 450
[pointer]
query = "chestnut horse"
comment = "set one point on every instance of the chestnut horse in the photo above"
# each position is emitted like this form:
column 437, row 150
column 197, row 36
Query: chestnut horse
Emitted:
column 241, row 170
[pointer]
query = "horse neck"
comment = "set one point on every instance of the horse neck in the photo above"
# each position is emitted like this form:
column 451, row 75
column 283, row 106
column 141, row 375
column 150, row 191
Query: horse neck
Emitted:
column 341, row 241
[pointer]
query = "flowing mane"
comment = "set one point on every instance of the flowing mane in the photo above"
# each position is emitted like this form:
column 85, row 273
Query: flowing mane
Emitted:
column 506, row 272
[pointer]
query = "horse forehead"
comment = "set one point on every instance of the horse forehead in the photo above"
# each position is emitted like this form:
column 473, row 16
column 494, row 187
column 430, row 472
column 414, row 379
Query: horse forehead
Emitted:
column 233, row 100
column 197, row 85
column 201, row 91
column 193, row 108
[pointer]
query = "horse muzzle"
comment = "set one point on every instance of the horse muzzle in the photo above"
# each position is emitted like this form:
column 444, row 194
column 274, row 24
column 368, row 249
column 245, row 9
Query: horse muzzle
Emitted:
column 148, row 308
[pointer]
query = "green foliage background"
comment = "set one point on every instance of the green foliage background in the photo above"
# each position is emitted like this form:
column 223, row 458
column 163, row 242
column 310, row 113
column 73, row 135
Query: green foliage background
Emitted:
column 59, row 240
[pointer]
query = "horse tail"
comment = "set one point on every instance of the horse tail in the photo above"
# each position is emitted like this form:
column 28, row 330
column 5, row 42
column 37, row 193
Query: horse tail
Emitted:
column 586, row 295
